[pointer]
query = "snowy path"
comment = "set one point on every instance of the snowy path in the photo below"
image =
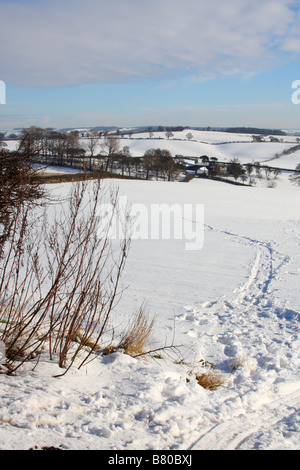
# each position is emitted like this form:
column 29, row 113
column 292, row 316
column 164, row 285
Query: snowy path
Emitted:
column 257, row 295
column 252, row 307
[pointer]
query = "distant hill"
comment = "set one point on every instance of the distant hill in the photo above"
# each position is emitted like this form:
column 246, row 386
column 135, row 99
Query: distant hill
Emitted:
column 159, row 128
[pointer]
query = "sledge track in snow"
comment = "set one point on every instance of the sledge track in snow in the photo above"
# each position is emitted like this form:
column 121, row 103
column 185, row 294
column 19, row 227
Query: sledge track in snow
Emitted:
column 234, row 434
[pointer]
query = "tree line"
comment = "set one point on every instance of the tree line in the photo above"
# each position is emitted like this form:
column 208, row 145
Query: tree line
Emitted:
column 98, row 152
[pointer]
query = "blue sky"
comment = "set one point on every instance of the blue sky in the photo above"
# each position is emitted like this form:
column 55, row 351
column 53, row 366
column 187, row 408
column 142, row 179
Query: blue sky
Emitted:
column 69, row 63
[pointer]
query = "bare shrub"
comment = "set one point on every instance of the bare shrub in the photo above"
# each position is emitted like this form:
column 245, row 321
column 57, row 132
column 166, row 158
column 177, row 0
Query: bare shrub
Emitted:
column 295, row 177
column 18, row 186
column 61, row 277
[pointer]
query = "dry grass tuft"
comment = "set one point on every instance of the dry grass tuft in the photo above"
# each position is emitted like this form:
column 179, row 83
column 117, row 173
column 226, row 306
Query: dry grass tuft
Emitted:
column 138, row 334
column 210, row 380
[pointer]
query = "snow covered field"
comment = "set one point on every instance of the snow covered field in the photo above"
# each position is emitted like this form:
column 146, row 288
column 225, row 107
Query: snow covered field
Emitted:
column 234, row 303
column 222, row 145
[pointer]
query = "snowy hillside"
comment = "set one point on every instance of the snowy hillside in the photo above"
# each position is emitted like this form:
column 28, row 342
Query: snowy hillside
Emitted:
column 222, row 145
column 234, row 303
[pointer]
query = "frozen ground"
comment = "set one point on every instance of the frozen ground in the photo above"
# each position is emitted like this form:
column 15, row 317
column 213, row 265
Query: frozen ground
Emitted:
column 234, row 303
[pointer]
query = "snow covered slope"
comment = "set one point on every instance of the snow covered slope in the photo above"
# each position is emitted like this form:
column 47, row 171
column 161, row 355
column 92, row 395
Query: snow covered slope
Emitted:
column 234, row 303
column 222, row 145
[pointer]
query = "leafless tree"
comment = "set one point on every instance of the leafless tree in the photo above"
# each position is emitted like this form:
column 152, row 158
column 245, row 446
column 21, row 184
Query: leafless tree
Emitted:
column 148, row 161
column 92, row 144
column 110, row 147
column 169, row 134
column 161, row 163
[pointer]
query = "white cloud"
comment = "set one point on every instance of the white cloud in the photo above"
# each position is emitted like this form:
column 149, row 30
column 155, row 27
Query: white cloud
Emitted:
column 291, row 42
column 292, row 45
column 70, row 42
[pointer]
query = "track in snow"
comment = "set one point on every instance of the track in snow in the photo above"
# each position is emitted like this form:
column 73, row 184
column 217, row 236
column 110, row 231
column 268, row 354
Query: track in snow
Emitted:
column 253, row 304
column 264, row 270
column 239, row 433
